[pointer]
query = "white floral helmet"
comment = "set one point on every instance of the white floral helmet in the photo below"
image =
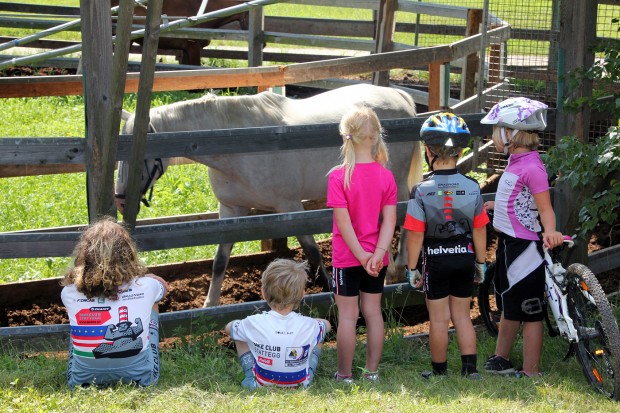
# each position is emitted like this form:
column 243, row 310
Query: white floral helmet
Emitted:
column 519, row 114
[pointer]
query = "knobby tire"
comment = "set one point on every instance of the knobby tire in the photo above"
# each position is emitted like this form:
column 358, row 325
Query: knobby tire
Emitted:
column 598, row 349
column 486, row 301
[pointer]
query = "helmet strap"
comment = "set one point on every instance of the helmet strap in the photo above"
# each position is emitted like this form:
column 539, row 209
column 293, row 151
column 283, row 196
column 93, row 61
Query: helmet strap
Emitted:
column 430, row 162
column 502, row 134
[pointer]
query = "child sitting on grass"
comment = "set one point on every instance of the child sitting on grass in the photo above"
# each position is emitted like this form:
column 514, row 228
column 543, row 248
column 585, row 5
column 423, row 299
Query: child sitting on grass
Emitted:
column 279, row 347
column 106, row 288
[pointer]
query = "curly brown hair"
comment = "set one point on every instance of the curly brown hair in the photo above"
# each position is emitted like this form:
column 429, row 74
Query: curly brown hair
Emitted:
column 106, row 257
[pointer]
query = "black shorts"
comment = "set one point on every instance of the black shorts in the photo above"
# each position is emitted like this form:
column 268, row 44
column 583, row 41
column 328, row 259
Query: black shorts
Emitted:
column 348, row 282
column 448, row 275
column 520, row 278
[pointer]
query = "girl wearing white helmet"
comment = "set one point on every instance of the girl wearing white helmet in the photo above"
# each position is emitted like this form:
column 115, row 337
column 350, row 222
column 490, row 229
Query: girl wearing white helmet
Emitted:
column 522, row 204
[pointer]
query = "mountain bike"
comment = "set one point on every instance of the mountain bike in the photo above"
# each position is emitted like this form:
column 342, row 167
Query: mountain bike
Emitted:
column 577, row 309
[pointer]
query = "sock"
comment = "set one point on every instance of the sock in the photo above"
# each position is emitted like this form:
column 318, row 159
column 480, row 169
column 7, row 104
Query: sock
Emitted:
column 247, row 363
column 440, row 369
column 469, row 362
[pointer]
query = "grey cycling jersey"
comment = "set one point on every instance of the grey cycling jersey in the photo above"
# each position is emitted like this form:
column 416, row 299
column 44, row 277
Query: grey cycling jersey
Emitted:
column 445, row 205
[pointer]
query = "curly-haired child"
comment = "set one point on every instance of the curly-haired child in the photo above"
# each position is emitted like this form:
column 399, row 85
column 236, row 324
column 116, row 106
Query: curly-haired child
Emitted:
column 112, row 306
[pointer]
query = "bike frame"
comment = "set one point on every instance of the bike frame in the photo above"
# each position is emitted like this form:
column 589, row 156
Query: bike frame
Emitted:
column 556, row 295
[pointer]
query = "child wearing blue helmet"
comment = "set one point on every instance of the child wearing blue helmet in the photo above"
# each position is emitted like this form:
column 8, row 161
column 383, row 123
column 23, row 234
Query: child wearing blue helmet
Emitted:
column 447, row 221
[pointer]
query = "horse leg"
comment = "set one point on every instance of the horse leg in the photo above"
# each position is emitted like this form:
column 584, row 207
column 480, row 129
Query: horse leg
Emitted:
column 396, row 270
column 222, row 256
column 191, row 53
column 313, row 254
column 220, row 262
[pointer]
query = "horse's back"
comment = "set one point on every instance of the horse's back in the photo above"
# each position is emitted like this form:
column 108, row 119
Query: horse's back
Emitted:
column 329, row 107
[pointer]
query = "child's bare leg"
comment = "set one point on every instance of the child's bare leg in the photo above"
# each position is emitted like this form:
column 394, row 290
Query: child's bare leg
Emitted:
column 348, row 313
column 242, row 347
column 465, row 334
column 532, row 346
column 371, row 310
column 439, row 317
column 507, row 333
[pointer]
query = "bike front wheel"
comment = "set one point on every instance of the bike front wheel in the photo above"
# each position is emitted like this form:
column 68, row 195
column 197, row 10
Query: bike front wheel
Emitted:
column 598, row 349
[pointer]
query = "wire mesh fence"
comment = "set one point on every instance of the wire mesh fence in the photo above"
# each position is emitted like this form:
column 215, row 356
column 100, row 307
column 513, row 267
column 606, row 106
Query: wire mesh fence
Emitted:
column 525, row 65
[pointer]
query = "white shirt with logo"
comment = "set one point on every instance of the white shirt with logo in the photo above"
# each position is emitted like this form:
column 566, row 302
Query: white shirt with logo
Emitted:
column 281, row 346
column 102, row 328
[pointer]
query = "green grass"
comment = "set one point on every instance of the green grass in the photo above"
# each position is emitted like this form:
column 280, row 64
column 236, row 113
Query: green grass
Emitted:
column 202, row 376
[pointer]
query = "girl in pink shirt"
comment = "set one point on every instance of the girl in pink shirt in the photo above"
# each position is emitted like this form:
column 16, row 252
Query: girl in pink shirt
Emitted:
column 362, row 192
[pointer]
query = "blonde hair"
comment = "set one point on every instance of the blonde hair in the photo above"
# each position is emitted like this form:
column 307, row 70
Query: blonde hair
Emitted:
column 106, row 257
column 357, row 125
column 521, row 138
column 284, row 283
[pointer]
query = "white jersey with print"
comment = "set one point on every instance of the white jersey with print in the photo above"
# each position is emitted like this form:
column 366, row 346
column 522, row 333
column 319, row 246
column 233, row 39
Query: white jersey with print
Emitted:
column 281, row 346
column 104, row 330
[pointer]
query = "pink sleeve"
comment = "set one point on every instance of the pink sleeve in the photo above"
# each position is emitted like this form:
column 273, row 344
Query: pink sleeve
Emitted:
column 537, row 179
column 335, row 190
column 391, row 193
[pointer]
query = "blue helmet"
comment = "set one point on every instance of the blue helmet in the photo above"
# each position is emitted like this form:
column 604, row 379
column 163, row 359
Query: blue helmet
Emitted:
column 445, row 129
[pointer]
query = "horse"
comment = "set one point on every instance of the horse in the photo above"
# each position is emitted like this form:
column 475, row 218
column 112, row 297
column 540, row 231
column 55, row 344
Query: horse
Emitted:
column 279, row 181
column 174, row 9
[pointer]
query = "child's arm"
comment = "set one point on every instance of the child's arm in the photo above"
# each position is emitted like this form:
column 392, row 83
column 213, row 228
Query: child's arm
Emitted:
column 551, row 237
column 343, row 222
column 228, row 327
column 415, row 239
column 161, row 280
column 384, row 243
column 328, row 326
column 479, row 236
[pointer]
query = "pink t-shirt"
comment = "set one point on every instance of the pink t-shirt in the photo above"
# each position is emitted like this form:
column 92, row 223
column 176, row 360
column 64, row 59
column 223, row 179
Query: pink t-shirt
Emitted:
column 371, row 188
column 516, row 213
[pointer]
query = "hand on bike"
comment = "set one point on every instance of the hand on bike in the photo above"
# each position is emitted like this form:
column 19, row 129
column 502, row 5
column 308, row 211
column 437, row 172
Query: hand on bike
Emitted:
column 414, row 277
column 552, row 239
column 480, row 272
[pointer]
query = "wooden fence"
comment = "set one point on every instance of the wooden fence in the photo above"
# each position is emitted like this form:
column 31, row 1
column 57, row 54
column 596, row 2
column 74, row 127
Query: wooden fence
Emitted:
column 320, row 33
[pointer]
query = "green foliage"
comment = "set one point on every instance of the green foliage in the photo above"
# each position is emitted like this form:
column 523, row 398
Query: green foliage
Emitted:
column 586, row 167
column 593, row 170
column 606, row 72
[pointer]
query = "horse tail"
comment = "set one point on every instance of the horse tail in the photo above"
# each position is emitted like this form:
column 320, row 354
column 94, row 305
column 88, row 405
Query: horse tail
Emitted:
column 415, row 167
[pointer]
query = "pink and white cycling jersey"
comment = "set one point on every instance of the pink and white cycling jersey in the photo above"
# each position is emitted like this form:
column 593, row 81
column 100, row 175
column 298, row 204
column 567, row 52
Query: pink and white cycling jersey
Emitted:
column 516, row 213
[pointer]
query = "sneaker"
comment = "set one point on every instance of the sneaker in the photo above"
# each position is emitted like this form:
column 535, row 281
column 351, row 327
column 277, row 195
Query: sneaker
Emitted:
column 472, row 376
column 519, row 374
column 343, row 379
column 498, row 365
column 371, row 377
column 428, row 374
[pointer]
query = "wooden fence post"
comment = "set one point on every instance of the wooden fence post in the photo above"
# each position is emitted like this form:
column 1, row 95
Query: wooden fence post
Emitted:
column 385, row 32
column 256, row 37
column 577, row 35
column 434, row 86
column 141, row 123
column 468, row 77
column 119, row 75
column 96, row 28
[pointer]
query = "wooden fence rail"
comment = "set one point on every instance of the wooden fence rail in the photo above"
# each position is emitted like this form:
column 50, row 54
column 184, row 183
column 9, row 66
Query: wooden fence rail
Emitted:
column 259, row 76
